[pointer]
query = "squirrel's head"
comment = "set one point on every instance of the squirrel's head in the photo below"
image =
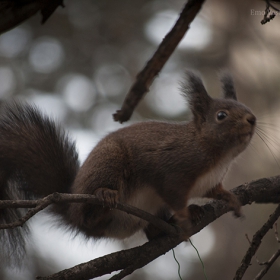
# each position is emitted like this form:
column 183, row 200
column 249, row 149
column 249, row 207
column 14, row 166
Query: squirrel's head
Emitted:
column 225, row 122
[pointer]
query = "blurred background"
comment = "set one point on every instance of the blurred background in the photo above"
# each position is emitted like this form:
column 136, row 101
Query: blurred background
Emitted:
column 78, row 68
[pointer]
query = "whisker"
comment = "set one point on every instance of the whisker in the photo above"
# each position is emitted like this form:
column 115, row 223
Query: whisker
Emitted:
column 271, row 140
column 269, row 126
column 253, row 147
column 261, row 137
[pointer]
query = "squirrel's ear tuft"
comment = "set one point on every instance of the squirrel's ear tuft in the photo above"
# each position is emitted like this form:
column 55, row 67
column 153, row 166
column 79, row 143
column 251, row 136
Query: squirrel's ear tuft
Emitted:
column 228, row 86
column 197, row 96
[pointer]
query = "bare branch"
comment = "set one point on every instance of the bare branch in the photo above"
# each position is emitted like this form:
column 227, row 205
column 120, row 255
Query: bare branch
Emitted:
column 263, row 190
column 257, row 260
column 257, row 239
column 136, row 257
column 276, row 233
column 267, row 16
column 268, row 264
column 272, row 6
column 145, row 78
column 41, row 204
column 15, row 12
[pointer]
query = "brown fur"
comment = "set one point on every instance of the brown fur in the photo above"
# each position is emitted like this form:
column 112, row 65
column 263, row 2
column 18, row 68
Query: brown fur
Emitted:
column 155, row 166
column 168, row 158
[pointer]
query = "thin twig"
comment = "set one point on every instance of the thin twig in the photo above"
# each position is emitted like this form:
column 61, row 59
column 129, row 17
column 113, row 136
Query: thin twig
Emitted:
column 268, row 17
column 145, row 78
column 254, row 190
column 257, row 239
column 43, row 203
column 248, row 239
column 272, row 6
column 257, row 260
column 268, row 265
column 276, row 233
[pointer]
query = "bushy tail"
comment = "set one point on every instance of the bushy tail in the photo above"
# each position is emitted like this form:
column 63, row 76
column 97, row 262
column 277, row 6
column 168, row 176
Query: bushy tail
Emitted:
column 36, row 159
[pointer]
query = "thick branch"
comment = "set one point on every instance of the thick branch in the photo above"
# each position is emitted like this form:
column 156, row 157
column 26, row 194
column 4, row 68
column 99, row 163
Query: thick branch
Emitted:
column 136, row 257
column 263, row 191
column 145, row 78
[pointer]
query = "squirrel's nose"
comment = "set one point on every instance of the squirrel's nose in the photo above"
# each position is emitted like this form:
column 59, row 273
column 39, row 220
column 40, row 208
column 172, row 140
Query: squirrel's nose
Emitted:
column 251, row 119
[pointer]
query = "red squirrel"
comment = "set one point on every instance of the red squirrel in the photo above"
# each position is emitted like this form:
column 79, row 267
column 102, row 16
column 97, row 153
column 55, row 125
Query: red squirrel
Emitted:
column 155, row 166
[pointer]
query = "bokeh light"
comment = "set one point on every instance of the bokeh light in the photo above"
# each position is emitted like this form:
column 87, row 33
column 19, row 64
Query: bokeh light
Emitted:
column 112, row 80
column 7, row 81
column 165, row 97
column 102, row 121
column 15, row 41
column 46, row 55
column 51, row 105
column 198, row 37
column 78, row 90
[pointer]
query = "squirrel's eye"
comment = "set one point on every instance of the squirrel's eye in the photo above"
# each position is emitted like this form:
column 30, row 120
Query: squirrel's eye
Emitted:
column 221, row 115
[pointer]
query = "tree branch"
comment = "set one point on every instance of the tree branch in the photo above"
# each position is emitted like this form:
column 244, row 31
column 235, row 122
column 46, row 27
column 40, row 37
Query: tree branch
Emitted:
column 268, row 265
column 145, row 78
column 136, row 257
column 267, row 15
column 265, row 190
column 43, row 203
column 257, row 239
column 15, row 12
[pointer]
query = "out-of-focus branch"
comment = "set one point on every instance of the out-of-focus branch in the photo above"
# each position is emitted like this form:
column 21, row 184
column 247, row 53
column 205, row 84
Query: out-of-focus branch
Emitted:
column 145, row 78
column 267, row 15
column 268, row 265
column 13, row 12
column 257, row 239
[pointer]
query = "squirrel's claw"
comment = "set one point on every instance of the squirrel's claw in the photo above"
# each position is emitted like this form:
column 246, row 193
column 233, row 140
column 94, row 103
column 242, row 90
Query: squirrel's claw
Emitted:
column 196, row 213
column 108, row 196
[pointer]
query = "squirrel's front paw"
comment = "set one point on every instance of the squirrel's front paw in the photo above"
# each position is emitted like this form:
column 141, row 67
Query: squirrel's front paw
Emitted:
column 108, row 196
column 235, row 205
column 236, row 208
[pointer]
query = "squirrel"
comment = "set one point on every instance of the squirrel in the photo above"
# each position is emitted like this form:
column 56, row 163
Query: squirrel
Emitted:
column 155, row 166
